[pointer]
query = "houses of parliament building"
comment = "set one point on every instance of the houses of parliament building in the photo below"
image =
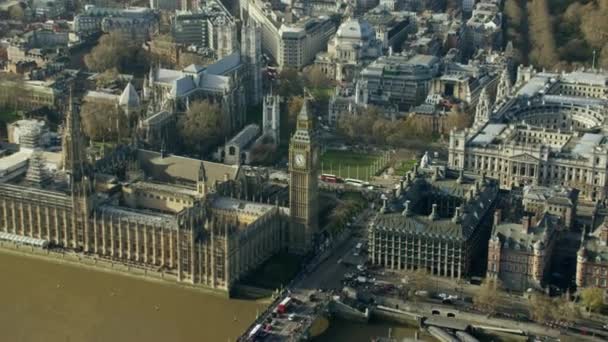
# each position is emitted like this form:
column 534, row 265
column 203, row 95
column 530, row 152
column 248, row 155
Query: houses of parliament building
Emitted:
column 193, row 221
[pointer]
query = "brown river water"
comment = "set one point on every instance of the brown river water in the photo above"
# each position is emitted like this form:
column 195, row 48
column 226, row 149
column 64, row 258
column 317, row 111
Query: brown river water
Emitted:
column 49, row 302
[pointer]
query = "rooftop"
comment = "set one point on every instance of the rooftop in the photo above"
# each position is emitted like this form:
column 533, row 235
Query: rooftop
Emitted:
column 513, row 236
column 423, row 191
column 147, row 216
column 585, row 77
column 177, row 169
column 488, row 134
column 251, row 208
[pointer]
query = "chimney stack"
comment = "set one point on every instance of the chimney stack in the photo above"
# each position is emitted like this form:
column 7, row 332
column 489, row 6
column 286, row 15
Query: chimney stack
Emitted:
column 433, row 216
column 497, row 217
column 526, row 224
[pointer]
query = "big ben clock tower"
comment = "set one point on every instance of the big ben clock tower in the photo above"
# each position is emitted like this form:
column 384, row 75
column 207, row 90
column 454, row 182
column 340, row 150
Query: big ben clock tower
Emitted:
column 303, row 188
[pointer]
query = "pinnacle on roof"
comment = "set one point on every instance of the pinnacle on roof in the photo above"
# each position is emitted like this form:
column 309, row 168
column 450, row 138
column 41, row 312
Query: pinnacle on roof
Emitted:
column 129, row 97
column 304, row 112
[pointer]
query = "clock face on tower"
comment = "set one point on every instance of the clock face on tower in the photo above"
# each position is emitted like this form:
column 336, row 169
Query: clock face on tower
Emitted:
column 300, row 160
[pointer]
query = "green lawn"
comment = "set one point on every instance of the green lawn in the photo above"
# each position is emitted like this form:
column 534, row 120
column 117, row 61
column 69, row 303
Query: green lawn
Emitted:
column 348, row 164
column 354, row 196
column 276, row 272
column 403, row 166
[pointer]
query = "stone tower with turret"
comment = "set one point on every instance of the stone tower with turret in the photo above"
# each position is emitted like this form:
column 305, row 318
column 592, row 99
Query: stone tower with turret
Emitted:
column 73, row 157
column 251, row 52
column 271, row 112
column 482, row 110
column 303, row 187
column 504, row 86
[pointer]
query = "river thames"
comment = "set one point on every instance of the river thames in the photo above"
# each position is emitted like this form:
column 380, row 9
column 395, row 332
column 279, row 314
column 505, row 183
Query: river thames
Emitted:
column 46, row 301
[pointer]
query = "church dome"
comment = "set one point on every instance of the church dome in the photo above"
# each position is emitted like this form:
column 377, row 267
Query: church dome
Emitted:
column 355, row 29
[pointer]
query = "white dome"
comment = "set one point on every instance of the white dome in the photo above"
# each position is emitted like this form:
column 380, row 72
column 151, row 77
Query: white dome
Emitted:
column 356, row 29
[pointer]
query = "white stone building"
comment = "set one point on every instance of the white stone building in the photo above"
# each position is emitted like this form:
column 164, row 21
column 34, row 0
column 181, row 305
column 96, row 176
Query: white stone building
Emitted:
column 549, row 131
column 353, row 46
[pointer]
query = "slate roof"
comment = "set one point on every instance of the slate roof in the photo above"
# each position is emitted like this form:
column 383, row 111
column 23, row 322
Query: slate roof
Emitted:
column 177, row 169
column 512, row 235
column 182, row 86
column 224, row 65
column 472, row 211
column 251, row 208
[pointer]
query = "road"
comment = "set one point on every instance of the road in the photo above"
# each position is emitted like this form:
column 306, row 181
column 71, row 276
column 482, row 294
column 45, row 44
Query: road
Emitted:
column 329, row 273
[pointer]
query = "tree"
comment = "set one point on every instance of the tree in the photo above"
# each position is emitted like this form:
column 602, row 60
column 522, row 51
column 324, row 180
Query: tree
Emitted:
column 315, row 78
column 203, row 127
column 290, row 83
column 264, row 152
column 419, row 280
column 188, row 58
column 592, row 298
column 294, row 106
column 489, row 296
column 543, row 52
column 566, row 310
column 104, row 121
column 16, row 12
column 541, row 307
column 115, row 50
column 458, row 119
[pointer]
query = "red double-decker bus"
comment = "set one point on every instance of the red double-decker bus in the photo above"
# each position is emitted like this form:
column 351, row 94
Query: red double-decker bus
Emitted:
column 329, row 178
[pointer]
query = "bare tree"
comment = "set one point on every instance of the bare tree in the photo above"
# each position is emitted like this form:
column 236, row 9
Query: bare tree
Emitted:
column 566, row 310
column 458, row 119
column 115, row 50
column 543, row 52
column 316, row 78
column 264, row 152
column 104, row 121
column 541, row 307
column 290, row 83
column 203, row 127
column 489, row 296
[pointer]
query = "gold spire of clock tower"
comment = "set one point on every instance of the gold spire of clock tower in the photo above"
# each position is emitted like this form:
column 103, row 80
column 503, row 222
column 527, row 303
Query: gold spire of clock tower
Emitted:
column 303, row 188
